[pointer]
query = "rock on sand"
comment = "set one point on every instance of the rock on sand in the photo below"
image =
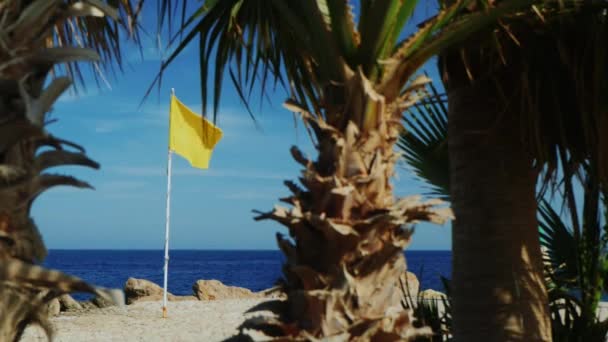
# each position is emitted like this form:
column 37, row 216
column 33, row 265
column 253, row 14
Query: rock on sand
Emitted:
column 214, row 289
column 141, row 290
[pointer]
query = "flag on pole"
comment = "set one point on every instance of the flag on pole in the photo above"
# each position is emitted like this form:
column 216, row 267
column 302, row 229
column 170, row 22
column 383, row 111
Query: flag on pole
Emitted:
column 191, row 136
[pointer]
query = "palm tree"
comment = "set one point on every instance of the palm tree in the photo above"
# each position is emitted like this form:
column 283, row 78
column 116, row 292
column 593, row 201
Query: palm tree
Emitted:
column 349, row 80
column 520, row 100
column 40, row 39
column 575, row 254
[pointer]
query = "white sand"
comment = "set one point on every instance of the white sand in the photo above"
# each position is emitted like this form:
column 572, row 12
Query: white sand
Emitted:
column 206, row 321
column 187, row 321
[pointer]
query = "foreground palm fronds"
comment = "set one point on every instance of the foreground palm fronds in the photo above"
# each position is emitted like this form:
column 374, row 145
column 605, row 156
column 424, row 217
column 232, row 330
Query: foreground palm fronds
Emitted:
column 37, row 39
column 25, row 289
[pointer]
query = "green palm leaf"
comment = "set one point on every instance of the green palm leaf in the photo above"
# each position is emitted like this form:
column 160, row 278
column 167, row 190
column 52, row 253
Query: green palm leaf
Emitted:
column 309, row 46
column 424, row 143
column 99, row 25
column 257, row 39
column 560, row 245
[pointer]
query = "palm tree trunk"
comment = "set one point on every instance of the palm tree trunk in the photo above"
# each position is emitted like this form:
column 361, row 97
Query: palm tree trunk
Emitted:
column 344, row 262
column 498, row 290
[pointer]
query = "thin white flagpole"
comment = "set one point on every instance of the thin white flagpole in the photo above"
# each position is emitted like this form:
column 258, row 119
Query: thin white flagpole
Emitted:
column 167, row 225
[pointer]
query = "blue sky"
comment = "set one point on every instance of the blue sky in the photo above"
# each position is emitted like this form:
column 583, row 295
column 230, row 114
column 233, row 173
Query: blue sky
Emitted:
column 211, row 209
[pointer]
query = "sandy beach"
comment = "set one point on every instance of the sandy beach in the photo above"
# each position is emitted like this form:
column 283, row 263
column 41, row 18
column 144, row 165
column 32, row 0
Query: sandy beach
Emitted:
column 191, row 320
column 188, row 321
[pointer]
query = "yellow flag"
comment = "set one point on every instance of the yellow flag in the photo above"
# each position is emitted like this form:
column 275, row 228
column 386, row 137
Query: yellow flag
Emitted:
column 191, row 136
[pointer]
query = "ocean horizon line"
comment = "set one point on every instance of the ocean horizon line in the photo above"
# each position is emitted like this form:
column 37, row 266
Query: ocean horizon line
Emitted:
column 206, row 249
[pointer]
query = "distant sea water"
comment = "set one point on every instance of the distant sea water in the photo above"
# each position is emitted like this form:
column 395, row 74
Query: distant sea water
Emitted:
column 255, row 270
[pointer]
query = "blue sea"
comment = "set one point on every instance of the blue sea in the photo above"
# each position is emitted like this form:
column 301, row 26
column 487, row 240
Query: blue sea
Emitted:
column 255, row 270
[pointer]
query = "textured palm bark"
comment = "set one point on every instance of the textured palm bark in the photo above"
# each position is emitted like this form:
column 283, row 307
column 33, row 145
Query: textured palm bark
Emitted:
column 348, row 231
column 497, row 286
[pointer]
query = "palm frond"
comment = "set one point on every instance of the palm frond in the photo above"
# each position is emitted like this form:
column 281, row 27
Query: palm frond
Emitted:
column 311, row 46
column 560, row 246
column 39, row 37
column 98, row 25
column 444, row 30
column 424, row 142
column 258, row 39
column 380, row 25
column 343, row 28
column 563, row 117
